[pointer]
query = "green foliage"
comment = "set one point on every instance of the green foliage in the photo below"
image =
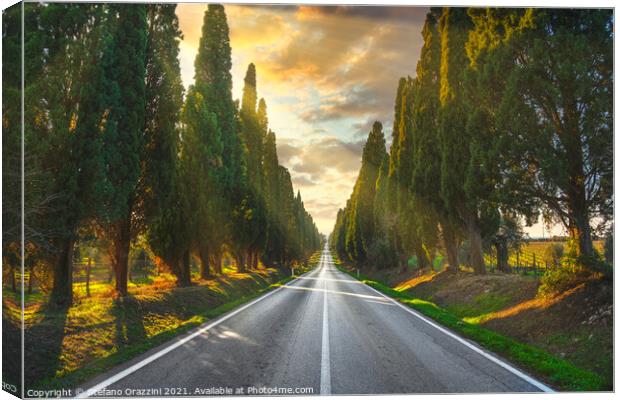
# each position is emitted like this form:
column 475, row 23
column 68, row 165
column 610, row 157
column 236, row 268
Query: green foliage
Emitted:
column 160, row 183
column 103, row 89
column 500, row 125
column 557, row 280
column 555, row 122
column 355, row 234
column 124, row 91
column 554, row 254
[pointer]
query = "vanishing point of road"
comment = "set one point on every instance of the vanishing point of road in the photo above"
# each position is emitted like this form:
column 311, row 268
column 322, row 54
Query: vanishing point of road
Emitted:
column 322, row 333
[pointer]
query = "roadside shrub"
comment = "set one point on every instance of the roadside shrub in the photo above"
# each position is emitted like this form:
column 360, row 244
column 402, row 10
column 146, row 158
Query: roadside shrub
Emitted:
column 570, row 273
column 554, row 254
column 556, row 281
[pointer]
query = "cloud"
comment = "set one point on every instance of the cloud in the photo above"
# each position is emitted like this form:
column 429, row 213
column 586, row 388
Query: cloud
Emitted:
column 327, row 73
column 328, row 153
column 409, row 14
column 302, row 181
column 286, row 151
column 324, row 170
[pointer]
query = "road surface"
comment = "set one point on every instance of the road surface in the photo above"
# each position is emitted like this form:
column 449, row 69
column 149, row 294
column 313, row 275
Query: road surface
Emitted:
column 324, row 333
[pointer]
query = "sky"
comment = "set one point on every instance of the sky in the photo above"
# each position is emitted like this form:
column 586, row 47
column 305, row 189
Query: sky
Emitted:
column 327, row 73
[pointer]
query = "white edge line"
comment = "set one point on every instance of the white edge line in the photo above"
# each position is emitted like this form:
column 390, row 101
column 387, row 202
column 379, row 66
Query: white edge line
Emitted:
column 478, row 350
column 117, row 377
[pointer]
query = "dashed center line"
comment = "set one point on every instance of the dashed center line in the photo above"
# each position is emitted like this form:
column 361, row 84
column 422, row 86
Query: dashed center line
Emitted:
column 326, row 380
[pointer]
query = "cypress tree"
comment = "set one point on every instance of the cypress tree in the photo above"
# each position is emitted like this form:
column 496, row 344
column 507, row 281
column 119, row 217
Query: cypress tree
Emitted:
column 67, row 108
column 361, row 229
column 214, row 81
column 252, row 130
column 454, row 25
column 426, row 160
column 125, row 64
column 159, row 186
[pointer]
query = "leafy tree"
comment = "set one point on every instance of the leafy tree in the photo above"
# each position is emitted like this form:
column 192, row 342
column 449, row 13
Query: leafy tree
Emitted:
column 64, row 108
column 381, row 252
column 253, row 130
column 11, row 140
column 457, row 191
column 555, row 117
column 360, row 229
column 159, row 181
column 214, row 81
column 125, row 97
column 426, row 175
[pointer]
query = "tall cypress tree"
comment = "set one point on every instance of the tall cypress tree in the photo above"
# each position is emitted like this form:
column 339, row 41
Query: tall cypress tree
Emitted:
column 125, row 64
column 163, row 203
column 65, row 108
column 454, row 26
column 426, row 179
column 214, row 81
column 275, row 230
column 252, row 132
column 361, row 229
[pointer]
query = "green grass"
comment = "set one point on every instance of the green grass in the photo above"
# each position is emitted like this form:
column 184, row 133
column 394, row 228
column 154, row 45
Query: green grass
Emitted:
column 560, row 373
column 482, row 304
column 128, row 352
column 99, row 332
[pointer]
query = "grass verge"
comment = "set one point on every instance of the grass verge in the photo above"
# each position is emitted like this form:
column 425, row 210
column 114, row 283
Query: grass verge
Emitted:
column 134, row 348
column 559, row 373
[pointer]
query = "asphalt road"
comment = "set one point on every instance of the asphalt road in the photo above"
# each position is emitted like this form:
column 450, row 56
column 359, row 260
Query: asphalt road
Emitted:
column 324, row 333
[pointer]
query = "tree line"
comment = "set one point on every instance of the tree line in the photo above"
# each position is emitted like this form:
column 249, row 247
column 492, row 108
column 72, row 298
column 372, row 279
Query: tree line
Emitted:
column 509, row 117
column 115, row 148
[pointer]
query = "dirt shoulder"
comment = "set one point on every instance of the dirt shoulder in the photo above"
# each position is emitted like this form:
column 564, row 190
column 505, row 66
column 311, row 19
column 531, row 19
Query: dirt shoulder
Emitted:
column 576, row 325
column 63, row 347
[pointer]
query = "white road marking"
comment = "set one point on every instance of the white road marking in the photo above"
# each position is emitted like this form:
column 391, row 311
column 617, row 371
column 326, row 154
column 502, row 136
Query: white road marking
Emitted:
column 326, row 380
column 117, row 377
column 461, row 340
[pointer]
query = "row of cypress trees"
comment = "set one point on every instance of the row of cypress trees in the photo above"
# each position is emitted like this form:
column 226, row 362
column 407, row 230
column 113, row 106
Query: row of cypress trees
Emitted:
column 115, row 148
column 509, row 116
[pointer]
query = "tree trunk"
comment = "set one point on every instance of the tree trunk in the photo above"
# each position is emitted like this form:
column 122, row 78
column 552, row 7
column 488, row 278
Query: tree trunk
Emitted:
column 217, row 263
column 475, row 246
column 88, row 277
column 184, row 274
column 62, row 291
column 248, row 259
column 581, row 232
column 450, row 243
column 241, row 262
column 120, row 255
column 502, row 255
column 205, row 271
column 578, row 213
column 404, row 262
column 423, row 261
